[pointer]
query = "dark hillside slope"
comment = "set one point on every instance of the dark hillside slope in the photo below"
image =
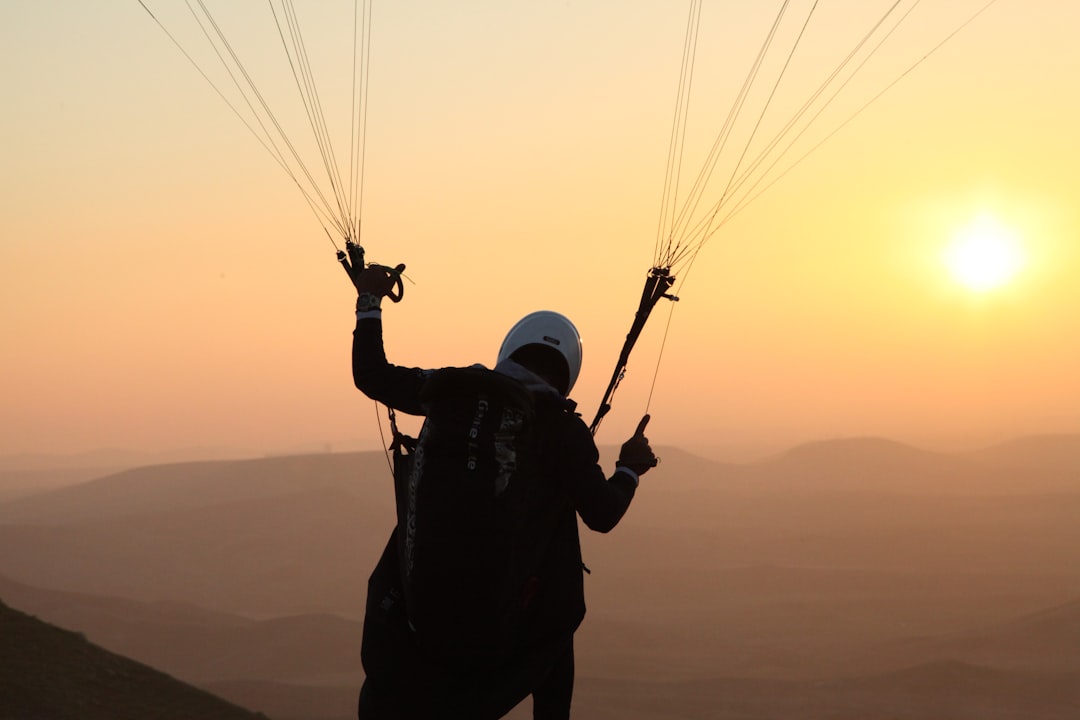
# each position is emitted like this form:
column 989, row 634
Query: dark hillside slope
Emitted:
column 197, row 645
column 52, row 673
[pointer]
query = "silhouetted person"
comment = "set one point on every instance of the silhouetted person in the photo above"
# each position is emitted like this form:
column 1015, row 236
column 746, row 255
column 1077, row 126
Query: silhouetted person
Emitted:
column 542, row 352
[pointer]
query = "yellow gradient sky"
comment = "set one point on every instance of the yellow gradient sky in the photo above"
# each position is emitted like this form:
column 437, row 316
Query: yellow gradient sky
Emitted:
column 165, row 285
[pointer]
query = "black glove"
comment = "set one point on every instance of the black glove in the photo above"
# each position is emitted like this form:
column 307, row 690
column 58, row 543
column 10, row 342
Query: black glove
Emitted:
column 376, row 282
column 636, row 454
column 379, row 280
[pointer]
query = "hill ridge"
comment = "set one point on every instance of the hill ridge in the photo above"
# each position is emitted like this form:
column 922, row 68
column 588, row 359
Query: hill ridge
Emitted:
column 56, row 673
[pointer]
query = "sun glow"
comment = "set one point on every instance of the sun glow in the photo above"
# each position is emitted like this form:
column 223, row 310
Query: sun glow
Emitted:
column 984, row 255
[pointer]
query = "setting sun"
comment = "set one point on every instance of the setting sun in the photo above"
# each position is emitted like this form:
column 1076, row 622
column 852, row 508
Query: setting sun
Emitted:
column 984, row 255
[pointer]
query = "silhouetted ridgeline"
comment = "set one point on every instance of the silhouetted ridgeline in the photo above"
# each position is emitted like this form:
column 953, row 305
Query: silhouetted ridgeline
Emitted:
column 46, row 672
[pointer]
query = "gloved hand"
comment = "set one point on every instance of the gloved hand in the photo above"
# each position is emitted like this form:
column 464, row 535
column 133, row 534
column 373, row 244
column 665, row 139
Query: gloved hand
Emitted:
column 376, row 282
column 636, row 454
column 379, row 280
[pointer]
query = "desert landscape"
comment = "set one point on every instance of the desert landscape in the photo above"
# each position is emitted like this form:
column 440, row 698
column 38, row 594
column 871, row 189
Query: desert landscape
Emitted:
column 865, row 400
column 851, row 578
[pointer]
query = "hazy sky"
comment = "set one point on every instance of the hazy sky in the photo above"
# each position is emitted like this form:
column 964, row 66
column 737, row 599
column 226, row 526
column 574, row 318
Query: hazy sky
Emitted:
column 166, row 286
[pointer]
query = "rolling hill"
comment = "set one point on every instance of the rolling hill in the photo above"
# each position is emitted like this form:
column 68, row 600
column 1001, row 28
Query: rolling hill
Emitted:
column 1046, row 641
column 199, row 646
column 807, row 585
column 53, row 673
column 176, row 486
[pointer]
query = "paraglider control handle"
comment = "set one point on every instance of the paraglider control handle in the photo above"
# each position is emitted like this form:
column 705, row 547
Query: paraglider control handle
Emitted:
column 398, row 291
column 352, row 259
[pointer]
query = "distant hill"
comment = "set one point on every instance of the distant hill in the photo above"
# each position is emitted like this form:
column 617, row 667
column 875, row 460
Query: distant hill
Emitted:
column 294, row 702
column 863, row 464
column 1044, row 641
column 299, row 535
column 22, row 483
column 761, row 578
column 116, row 458
column 933, row 691
column 35, row 473
column 56, row 674
column 1025, row 466
column 177, row 486
column 1059, row 453
column 308, row 551
column 199, row 645
column 960, row 691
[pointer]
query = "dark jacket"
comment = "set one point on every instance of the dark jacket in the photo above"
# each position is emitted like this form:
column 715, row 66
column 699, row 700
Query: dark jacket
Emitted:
column 577, row 485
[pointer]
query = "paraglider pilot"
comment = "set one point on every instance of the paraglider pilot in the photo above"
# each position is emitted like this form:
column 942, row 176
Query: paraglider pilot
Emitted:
column 407, row 678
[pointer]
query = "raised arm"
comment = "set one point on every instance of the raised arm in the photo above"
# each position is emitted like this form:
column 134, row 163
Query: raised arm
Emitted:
column 393, row 385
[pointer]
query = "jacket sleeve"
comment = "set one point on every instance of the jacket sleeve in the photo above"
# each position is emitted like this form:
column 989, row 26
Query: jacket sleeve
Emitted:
column 394, row 386
column 599, row 500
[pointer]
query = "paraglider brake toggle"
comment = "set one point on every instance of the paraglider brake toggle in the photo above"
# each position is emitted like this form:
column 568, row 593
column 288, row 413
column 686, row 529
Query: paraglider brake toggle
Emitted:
column 657, row 285
column 352, row 259
column 659, row 282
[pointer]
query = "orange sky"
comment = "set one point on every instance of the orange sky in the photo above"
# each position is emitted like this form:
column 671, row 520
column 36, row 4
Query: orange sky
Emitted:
column 165, row 285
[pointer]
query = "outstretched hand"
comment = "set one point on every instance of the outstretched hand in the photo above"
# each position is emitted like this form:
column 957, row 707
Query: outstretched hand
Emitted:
column 380, row 281
column 636, row 453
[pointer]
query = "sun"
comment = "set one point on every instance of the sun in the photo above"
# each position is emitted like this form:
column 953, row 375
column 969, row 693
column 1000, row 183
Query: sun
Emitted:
column 984, row 255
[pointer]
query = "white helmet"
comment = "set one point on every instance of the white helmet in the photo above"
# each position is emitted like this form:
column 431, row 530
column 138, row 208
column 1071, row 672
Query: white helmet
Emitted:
column 546, row 328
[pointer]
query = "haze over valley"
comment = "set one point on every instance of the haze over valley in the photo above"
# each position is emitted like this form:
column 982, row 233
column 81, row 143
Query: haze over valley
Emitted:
column 842, row 579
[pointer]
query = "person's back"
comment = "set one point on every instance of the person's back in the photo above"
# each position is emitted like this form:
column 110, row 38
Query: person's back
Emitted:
column 469, row 541
column 542, row 353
